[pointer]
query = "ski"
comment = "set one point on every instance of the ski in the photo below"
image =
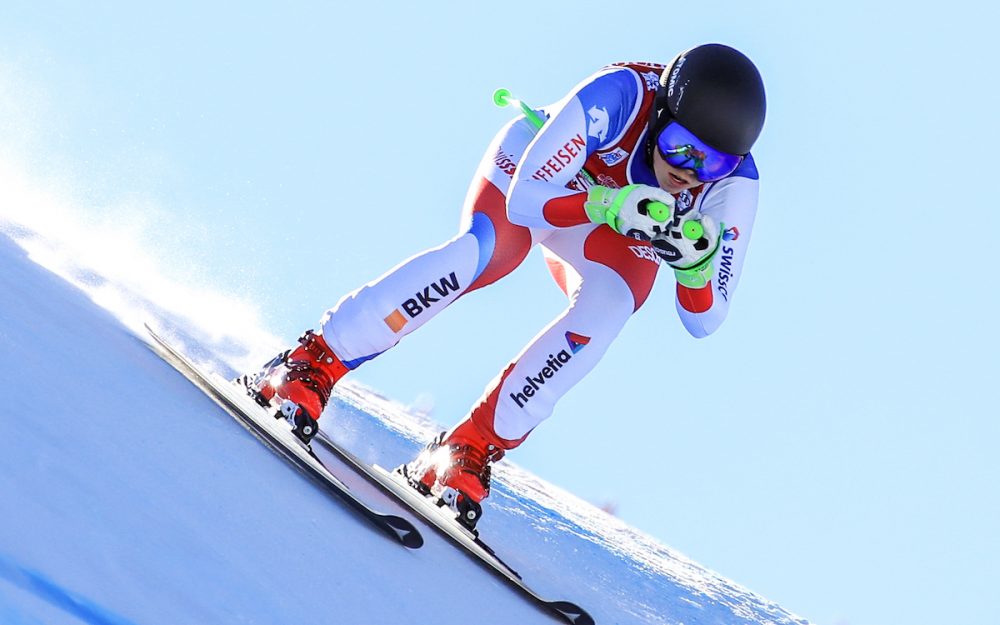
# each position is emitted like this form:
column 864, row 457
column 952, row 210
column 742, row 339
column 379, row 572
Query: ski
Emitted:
column 277, row 435
column 441, row 520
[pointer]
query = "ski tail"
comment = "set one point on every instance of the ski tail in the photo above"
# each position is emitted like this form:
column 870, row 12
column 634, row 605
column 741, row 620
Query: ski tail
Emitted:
column 241, row 407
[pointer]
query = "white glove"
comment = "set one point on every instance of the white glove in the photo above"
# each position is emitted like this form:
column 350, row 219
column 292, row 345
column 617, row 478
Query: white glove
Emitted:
column 636, row 210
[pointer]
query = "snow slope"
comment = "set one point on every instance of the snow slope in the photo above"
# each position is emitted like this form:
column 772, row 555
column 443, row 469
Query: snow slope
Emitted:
column 130, row 498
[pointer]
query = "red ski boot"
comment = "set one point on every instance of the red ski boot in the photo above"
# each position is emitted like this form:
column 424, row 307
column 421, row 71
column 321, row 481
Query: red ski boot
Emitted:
column 298, row 382
column 455, row 467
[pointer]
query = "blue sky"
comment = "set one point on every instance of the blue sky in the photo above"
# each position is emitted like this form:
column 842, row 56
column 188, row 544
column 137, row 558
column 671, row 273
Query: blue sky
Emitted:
column 831, row 446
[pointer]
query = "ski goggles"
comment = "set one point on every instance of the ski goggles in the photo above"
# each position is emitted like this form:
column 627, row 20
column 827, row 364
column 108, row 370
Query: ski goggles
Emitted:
column 680, row 148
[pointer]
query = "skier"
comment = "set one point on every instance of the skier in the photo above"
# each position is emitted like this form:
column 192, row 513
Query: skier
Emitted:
column 639, row 164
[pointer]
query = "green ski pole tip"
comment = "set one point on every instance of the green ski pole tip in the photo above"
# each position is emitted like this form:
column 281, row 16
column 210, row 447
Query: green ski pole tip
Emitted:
column 501, row 97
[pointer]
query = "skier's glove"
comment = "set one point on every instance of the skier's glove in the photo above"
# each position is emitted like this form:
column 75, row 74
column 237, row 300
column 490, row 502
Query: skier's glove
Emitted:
column 688, row 247
column 637, row 210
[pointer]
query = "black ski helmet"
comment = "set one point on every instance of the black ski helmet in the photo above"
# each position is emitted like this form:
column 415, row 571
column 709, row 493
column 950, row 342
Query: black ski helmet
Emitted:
column 715, row 92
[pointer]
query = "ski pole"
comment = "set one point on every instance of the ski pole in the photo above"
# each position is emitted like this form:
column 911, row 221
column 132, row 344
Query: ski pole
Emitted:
column 503, row 97
column 657, row 210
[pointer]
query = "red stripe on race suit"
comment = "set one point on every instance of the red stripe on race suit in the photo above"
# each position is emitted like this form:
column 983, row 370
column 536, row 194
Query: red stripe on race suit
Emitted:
column 633, row 260
column 558, row 271
column 512, row 241
column 695, row 300
column 483, row 415
column 566, row 211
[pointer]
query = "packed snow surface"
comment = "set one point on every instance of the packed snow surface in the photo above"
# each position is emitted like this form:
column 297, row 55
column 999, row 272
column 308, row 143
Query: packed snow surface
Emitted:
column 129, row 497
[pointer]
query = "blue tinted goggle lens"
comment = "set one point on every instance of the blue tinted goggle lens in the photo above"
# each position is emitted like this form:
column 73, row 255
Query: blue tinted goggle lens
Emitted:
column 680, row 148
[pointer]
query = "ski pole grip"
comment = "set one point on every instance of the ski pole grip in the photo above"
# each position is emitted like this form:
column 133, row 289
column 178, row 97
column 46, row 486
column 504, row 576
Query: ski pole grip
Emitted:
column 503, row 97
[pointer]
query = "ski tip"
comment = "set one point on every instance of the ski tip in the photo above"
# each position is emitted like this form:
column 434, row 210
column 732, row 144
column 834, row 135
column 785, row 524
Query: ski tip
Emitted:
column 572, row 612
column 405, row 532
column 413, row 540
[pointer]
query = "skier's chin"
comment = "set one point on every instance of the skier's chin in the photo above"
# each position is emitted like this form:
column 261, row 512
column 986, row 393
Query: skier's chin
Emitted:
column 671, row 183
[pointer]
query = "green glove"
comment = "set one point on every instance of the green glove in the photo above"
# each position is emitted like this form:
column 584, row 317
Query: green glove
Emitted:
column 698, row 276
column 636, row 210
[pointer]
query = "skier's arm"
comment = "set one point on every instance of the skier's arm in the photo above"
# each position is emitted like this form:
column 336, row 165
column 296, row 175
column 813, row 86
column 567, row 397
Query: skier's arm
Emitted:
column 732, row 202
column 591, row 117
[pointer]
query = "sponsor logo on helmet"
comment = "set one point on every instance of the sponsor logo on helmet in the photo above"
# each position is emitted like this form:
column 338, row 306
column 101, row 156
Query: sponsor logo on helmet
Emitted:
column 615, row 156
column 553, row 364
column 674, row 73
